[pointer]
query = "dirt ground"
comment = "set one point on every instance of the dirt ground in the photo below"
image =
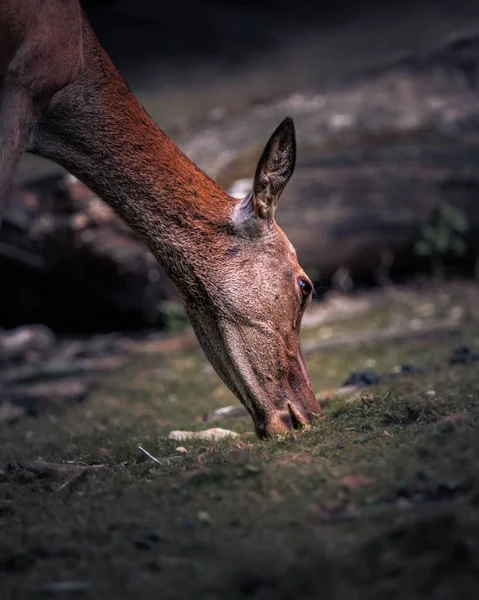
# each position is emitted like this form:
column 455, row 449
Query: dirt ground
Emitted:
column 380, row 499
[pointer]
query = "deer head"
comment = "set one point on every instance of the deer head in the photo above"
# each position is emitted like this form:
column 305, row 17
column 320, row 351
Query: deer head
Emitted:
column 248, row 321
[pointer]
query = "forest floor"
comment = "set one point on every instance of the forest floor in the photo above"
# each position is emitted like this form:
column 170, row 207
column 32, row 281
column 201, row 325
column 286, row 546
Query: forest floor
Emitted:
column 379, row 499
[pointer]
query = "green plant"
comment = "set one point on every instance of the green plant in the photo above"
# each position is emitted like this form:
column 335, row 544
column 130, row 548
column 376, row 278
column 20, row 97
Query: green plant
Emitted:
column 443, row 234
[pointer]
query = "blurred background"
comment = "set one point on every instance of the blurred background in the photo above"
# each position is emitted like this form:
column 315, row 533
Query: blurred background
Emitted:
column 102, row 378
column 384, row 97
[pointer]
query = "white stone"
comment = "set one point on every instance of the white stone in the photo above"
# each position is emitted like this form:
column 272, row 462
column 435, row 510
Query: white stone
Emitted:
column 212, row 435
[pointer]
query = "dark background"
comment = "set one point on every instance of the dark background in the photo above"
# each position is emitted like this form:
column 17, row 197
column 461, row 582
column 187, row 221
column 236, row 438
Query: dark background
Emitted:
column 386, row 106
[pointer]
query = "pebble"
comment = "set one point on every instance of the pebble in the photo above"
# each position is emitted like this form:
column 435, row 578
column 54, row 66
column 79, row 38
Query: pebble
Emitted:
column 204, row 517
column 363, row 378
column 463, row 355
column 9, row 413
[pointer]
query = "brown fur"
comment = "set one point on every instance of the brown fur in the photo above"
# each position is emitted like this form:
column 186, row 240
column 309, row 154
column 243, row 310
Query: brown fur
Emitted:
column 235, row 269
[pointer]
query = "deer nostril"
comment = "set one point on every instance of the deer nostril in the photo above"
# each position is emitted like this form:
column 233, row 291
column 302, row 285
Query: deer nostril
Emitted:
column 261, row 431
column 288, row 421
column 296, row 421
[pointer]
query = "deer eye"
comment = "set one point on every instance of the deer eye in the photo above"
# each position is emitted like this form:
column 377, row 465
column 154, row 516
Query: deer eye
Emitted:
column 306, row 289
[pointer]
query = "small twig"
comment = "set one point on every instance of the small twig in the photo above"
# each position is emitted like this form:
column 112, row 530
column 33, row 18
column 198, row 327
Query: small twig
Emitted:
column 75, row 479
column 163, row 461
column 149, row 455
column 79, row 463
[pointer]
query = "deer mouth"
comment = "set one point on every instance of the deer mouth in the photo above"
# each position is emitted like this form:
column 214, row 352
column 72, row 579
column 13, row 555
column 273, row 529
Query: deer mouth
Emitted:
column 277, row 406
column 296, row 420
column 286, row 421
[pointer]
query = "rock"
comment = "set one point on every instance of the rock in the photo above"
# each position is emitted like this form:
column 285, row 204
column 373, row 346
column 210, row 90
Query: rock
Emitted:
column 60, row 368
column 35, row 398
column 362, row 378
column 204, row 517
column 210, row 435
column 463, row 355
column 68, row 261
column 18, row 342
column 46, row 374
column 406, row 369
column 9, row 413
column 227, row 412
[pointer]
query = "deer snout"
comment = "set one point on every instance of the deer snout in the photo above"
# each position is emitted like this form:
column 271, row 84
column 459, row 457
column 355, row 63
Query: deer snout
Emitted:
column 297, row 414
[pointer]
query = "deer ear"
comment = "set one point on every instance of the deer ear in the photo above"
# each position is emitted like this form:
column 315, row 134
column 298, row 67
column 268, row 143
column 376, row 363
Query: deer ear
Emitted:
column 274, row 170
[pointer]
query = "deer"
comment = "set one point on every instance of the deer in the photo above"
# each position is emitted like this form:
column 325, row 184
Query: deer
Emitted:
column 238, row 276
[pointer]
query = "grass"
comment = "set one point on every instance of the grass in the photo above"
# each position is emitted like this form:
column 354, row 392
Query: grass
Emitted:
column 378, row 500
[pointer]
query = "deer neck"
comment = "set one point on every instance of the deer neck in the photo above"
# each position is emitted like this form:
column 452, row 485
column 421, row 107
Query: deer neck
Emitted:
column 100, row 133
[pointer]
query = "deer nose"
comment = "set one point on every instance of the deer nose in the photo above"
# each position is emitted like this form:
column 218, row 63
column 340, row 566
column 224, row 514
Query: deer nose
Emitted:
column 285, row 421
